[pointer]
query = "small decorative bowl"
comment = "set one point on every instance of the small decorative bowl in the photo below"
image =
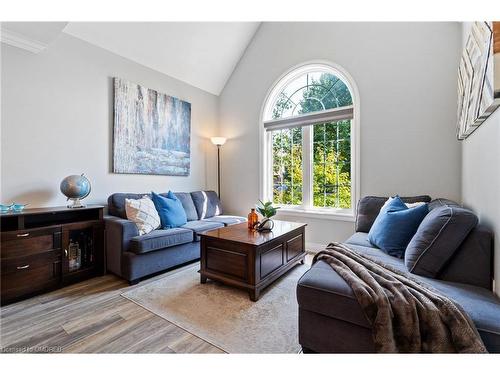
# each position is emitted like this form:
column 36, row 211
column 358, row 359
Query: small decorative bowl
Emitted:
column 17, row 207
column 4, row 208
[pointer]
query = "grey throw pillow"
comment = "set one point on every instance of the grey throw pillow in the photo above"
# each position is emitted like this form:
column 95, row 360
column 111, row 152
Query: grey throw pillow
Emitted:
column 369, row 207
column 438, row 237
column 207, row 203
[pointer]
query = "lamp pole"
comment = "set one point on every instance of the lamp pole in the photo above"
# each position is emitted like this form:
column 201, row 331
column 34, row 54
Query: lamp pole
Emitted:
column 218, row 141
column 218, row 170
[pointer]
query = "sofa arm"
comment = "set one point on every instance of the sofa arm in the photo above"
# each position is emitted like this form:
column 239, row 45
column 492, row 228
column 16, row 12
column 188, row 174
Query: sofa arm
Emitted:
column 119, row 232
column 369, row 207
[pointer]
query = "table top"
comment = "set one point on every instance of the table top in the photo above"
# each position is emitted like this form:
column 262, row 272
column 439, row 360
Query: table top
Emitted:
column 241, row 233
column 44, row 210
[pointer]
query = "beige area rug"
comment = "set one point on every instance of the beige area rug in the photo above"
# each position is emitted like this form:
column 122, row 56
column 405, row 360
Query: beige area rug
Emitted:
column 225, row 316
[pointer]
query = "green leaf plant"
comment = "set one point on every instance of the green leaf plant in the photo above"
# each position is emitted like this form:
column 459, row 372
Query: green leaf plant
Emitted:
column 266, row 209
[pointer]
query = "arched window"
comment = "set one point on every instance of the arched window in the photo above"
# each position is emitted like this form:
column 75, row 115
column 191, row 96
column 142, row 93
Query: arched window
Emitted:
column 310, row 130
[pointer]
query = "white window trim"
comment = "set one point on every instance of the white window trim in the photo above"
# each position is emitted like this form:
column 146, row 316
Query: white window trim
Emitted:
column 329, row 115
column 265, row 146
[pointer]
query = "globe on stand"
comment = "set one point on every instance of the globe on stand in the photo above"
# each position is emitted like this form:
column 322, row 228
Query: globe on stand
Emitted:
column 75, row 188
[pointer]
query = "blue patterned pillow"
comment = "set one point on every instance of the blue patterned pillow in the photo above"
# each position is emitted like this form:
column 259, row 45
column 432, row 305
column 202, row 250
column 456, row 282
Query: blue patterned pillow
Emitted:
column 170, row 210
column 395, row 226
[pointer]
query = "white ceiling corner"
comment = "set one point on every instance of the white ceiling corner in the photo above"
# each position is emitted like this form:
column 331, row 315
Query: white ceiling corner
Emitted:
column 30, row 36
column 202, row 54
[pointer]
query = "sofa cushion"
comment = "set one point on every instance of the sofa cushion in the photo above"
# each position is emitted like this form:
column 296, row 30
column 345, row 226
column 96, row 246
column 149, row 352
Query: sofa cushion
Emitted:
column 170, row 209
column 116, row 203
column 482, row 306
column 440, row 202
column 199, row 226
column 359, row 239
column 143, row 213
column 395, row 226
column 359, row 242
column 369, row 207
column 472, row 262
column 207, row 203
column 438, row 237
column 188, row 204
column 227, row 219
column 323, row 291
column 160, row 239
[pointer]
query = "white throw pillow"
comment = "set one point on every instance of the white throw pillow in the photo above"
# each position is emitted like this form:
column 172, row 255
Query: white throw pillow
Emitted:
column 143, row 213
column 409, row 205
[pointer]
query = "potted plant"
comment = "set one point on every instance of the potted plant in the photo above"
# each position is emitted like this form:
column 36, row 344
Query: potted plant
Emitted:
column 267, row 211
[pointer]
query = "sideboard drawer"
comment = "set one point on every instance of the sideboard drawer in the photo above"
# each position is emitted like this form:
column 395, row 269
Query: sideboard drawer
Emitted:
column 28, row 242
column 34, row 246
column 26, row 275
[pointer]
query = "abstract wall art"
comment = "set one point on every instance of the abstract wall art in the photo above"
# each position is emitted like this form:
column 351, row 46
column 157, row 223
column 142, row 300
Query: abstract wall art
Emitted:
column 152, row 131
column 478, row 77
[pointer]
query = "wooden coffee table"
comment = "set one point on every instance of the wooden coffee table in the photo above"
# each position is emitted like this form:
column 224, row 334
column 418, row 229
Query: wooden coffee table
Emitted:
column 238, row 256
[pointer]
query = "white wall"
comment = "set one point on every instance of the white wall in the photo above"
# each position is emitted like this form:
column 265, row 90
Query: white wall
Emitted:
column 481, row 176
column 58, row 106
column 406, row 75
column 57, row 120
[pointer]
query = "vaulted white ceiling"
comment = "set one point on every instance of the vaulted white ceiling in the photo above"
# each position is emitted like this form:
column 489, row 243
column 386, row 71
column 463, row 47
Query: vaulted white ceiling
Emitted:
column 203, row 54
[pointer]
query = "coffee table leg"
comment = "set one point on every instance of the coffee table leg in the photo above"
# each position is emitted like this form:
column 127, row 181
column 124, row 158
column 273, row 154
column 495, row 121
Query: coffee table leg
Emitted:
column 254, row 295
column 203, row 279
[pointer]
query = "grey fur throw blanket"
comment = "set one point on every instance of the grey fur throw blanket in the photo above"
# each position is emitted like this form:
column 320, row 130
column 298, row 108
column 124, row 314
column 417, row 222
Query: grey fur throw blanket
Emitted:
column 406, row 315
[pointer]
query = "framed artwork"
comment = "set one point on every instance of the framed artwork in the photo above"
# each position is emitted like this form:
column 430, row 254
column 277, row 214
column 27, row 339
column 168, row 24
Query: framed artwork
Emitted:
column 151, row 132
column 478, row 77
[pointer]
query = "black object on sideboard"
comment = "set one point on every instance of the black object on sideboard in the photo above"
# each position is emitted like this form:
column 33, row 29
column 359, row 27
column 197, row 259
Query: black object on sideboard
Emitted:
column 47, row 248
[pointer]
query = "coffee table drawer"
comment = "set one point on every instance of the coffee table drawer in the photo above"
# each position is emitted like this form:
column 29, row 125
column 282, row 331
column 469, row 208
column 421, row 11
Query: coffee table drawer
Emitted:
column 248, row 259
column 226, row 261
column 271, row 260
column 294, row 247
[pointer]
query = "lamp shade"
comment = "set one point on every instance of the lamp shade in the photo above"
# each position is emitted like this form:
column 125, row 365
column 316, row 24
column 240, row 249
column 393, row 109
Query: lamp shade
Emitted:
column 218, row 141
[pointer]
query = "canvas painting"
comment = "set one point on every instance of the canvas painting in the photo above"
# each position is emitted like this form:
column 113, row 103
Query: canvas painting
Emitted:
column 478, row 77
column 152, row 131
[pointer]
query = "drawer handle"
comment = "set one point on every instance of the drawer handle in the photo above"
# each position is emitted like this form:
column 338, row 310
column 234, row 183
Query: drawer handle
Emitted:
column 66, row 252
column 23, row 267
column 23, row 235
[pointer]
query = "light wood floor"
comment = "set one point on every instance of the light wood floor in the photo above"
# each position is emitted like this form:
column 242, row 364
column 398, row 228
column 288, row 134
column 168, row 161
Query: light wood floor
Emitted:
column 92, row 317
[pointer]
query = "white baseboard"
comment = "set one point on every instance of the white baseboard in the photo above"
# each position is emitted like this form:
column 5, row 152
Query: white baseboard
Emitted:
column 314, row 247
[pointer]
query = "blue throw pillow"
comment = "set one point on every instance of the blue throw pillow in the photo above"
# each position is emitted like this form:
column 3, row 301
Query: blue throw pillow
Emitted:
column 395, row 226
column 170, row 210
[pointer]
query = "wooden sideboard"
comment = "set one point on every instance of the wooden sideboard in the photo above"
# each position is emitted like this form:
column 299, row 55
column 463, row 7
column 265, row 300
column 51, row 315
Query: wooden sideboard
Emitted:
column 46, row 248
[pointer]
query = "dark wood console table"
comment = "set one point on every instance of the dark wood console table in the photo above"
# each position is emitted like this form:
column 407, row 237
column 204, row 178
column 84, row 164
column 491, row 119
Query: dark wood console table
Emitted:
column 238, row 256
column 38, row 247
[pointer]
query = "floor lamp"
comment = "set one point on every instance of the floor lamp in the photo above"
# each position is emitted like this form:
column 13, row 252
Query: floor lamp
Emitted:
column 218, row 141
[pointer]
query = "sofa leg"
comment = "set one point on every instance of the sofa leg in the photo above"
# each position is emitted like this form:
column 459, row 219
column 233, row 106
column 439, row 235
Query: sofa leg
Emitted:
column 133, row 282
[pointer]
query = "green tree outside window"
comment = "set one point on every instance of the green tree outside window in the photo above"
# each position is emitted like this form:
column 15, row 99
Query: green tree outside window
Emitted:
column 331, row 145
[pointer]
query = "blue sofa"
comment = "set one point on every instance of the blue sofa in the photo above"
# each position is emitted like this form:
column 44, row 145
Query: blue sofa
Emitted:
column 133, row 257
column 331, row 320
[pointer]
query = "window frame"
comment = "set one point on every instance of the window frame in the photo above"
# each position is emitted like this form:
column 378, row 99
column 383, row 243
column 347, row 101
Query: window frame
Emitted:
column 306, row 209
